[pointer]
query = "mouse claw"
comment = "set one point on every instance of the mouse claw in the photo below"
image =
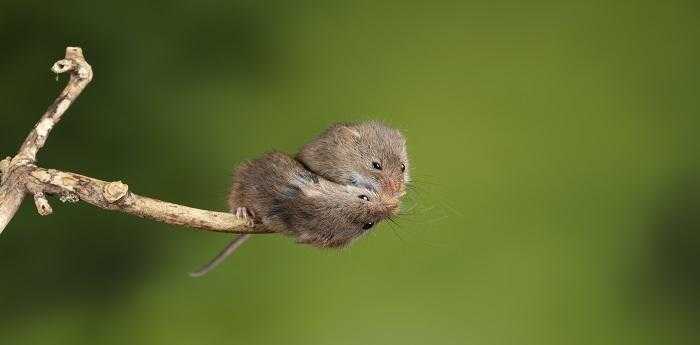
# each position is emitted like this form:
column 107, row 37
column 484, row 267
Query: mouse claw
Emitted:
column 242, row 213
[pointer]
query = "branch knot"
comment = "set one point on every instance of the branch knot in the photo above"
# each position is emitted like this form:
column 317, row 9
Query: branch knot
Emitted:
column 114, row 191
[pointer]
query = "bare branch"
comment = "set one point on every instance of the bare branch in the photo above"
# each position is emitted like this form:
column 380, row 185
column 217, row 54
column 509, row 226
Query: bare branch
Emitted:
column 12, row 189
column 20, row 175
column 81, row 75
column 115, row 196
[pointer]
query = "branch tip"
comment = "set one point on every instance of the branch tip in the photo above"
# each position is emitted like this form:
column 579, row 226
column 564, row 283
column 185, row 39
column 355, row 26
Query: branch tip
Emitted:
column 74, row 52
column 42, row 204
column 73, row 61
column 62, row 66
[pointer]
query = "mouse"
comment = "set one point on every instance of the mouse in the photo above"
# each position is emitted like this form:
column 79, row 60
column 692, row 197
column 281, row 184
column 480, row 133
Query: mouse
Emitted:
column 279, row 193
column 368, row 154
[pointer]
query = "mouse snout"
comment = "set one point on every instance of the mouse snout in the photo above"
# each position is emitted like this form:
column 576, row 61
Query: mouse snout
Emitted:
column 390, row 186
column 390, row 205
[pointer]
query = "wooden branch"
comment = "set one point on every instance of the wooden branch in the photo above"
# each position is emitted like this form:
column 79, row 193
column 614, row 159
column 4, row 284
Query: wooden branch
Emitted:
column 12, row 189
column 21, row 176
column 115, row 196
column 80, row 77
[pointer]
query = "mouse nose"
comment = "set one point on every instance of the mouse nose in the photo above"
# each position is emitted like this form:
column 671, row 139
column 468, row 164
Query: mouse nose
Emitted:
column 390, row 186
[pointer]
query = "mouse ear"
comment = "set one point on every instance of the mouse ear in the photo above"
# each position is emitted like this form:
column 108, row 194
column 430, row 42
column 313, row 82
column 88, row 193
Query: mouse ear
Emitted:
column 348, row 131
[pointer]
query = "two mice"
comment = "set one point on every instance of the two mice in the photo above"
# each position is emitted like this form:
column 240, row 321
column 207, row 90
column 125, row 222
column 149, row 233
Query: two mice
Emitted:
column 339, row 186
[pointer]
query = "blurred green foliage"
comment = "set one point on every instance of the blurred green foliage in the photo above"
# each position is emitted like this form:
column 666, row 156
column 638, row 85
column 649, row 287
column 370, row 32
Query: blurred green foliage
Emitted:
column 554, row 149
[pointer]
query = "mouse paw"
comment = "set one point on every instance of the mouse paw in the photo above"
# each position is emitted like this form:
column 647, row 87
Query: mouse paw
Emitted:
column 242, row 213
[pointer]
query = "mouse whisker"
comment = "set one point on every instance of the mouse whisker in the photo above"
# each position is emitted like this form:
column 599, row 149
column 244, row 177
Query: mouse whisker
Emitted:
column 393, row 229
column 392, row 220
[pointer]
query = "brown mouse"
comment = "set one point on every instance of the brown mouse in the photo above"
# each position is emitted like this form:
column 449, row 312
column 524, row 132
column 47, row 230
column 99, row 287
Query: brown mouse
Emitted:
column 368, row 154
column 365, row 154
column 279, row 193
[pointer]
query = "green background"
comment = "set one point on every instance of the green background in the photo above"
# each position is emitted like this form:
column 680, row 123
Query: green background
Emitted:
column 553, row 146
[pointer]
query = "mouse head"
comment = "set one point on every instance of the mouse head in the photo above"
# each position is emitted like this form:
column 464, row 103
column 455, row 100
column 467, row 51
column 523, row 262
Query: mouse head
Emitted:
column 342, row 217
column 369, row 154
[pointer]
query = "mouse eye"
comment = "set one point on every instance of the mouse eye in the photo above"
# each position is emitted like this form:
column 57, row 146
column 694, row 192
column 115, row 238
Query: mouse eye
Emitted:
column 376, row 165
column 364, row 197
column 403, row 167
column 368, row 225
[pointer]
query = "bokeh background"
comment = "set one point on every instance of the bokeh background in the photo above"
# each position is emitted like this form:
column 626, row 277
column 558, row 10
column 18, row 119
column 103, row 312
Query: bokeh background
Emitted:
column 553, row 145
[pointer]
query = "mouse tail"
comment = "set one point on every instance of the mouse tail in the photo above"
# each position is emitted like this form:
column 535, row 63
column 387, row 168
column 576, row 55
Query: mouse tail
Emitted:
column 219, row 258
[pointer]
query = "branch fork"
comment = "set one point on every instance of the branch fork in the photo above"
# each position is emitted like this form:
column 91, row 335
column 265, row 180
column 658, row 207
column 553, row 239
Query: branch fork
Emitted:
column 19, row 175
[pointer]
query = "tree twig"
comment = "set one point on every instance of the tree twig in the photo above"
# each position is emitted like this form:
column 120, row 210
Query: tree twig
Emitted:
column 19, row 175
